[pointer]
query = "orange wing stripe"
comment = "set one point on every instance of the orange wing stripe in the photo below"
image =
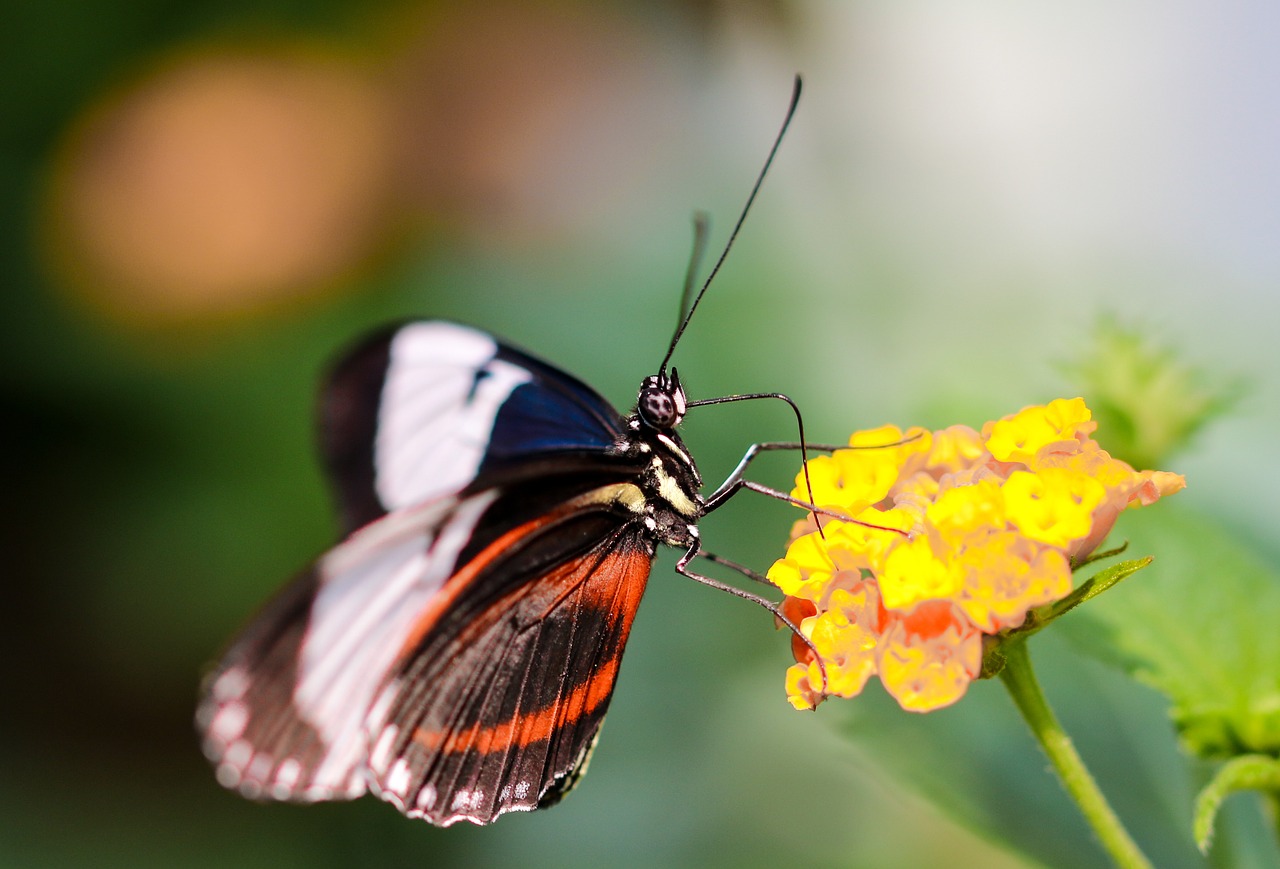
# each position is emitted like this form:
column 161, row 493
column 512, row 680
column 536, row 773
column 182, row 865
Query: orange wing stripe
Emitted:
column 585, row 698
column 526, row 729
column 456, row 583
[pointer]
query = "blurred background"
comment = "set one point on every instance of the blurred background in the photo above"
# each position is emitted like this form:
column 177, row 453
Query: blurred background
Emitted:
column 205, row 202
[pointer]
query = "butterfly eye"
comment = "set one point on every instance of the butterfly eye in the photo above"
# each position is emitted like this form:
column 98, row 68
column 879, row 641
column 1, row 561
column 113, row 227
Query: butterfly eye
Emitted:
column 658, row 408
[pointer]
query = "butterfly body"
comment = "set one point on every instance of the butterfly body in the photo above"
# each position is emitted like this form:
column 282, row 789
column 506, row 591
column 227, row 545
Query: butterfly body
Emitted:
column 456, row 652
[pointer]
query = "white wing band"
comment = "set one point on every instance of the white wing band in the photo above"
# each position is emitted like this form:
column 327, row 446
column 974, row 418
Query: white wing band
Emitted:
column 443, row 390
column 373, row 589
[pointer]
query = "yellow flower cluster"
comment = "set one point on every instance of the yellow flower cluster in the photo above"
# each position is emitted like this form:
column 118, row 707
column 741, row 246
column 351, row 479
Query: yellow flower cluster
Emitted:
column 957, row 535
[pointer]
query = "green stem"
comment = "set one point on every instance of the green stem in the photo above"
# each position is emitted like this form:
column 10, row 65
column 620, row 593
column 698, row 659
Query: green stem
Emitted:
column 1020, row 679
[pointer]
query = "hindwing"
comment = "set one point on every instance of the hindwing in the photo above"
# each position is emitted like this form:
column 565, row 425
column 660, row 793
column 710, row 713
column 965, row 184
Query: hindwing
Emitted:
column 458, row 681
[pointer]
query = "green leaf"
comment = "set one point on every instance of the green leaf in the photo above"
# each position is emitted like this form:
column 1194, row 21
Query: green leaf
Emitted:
column 1097, row 584
column 1201, row 627
column 1248, row 772
column 1148, row 403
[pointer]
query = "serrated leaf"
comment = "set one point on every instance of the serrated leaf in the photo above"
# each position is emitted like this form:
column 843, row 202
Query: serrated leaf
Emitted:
column 1202, row 627
column 1146, row 399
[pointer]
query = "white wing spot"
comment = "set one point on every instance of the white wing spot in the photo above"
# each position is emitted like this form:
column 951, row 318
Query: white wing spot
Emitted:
column 522, row 790
column 427, row 797
column 204, row 715
column 467, row 800
column 356, row 785
column 228, row 776
column 228, row 723
column 398, row 780
column 238, row 754
column 260, row 768
column 288, row 774
column 316, row 793
column 231, row 685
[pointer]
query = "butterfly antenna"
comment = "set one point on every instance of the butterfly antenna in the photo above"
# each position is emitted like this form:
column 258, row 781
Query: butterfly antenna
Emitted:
column 688, row 315
column 701, row 232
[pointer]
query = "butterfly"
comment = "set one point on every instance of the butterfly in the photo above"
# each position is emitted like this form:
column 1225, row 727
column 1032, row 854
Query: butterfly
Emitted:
column 456, row 652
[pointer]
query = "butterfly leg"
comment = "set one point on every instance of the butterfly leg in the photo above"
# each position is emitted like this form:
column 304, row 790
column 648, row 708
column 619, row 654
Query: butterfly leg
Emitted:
column 695, row 551
column 736, row 481
column 805, row 505
column 730, row 485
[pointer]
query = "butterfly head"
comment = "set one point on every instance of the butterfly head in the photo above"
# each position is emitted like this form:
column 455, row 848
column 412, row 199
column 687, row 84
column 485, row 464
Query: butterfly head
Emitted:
column 661, row 403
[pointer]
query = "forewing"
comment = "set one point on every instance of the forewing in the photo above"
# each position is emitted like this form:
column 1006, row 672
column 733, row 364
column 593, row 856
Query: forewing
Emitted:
column 499, row 712
column 431, row 407
column 283, row 714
